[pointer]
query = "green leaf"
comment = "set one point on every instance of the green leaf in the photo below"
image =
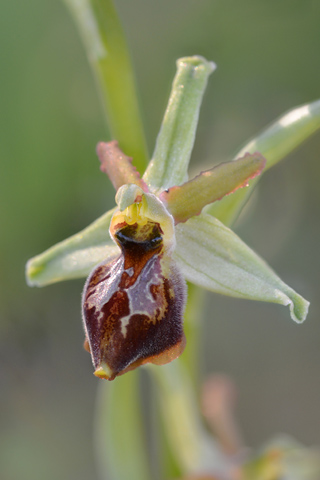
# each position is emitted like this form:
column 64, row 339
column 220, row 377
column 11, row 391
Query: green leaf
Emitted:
column 213, row 257
column 189, row 199
column 274, row 143
column 74, row 257
column 170, row 161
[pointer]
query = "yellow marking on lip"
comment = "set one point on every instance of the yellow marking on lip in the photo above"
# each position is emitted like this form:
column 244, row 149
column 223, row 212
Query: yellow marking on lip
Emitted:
column 104, row 371
column 131, row 215
column 141, row 208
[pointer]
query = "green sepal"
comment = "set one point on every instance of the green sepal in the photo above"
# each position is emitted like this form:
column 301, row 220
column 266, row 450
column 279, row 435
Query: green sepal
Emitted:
column 74, row 257
column 274, row 143
column 169, row 164
column 189, row 199
column 212, row 256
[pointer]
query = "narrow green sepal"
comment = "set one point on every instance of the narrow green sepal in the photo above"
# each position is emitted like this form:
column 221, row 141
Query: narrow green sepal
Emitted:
column 210, row 255
column 274, row 143
column 189, row 199
column 74, row 257
column 169, row 165
column 286, row 133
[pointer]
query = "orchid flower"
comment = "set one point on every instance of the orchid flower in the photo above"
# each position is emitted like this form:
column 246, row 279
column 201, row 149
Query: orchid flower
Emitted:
column 161, row 233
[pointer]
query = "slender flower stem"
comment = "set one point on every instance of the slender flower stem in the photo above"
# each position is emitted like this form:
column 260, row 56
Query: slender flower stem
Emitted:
column 102, row 34
column 192, row 320
column 120, row 442
column 194, row 449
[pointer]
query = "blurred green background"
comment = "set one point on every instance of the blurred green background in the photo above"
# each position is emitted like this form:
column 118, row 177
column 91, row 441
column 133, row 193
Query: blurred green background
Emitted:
column 267, row 53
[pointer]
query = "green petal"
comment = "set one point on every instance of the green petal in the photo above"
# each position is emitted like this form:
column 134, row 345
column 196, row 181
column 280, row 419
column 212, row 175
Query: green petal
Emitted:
column 118, row 166
column 212, row 256
column 274, row 143
column 189, row 199
column 170, row 161
column 74, row 257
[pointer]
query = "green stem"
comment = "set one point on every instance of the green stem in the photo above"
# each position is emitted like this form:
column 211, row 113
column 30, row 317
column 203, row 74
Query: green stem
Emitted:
column 102, row 34
column 191, row 445
column 120, row 443
column 192, row 321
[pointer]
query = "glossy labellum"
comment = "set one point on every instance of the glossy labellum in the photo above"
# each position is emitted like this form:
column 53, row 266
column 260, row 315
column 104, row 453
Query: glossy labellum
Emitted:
column 133, row 303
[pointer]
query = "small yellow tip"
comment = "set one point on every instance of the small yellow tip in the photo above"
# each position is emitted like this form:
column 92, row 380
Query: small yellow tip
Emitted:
column 32, row 271
column 104, row 372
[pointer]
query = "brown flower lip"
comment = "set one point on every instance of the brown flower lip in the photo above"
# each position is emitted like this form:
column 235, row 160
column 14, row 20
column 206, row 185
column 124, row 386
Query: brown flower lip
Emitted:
column 133, row 305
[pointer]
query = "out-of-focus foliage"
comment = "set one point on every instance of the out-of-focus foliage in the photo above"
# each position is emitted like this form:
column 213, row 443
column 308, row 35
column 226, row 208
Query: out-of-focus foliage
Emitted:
column 51, row 186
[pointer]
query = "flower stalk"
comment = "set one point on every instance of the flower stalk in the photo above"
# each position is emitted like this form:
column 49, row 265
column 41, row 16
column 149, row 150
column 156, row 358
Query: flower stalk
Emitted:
column 120, row 443
column 101, row 31
column 195, row 450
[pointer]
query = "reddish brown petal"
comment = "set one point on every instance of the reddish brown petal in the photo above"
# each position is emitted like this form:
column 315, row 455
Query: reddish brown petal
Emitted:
column 133, row 305
column 118, row 166
column 187, row 200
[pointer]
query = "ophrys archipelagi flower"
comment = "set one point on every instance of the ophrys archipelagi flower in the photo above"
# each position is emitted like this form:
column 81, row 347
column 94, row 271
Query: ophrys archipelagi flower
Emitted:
column 160, row 234
column 133, row 303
